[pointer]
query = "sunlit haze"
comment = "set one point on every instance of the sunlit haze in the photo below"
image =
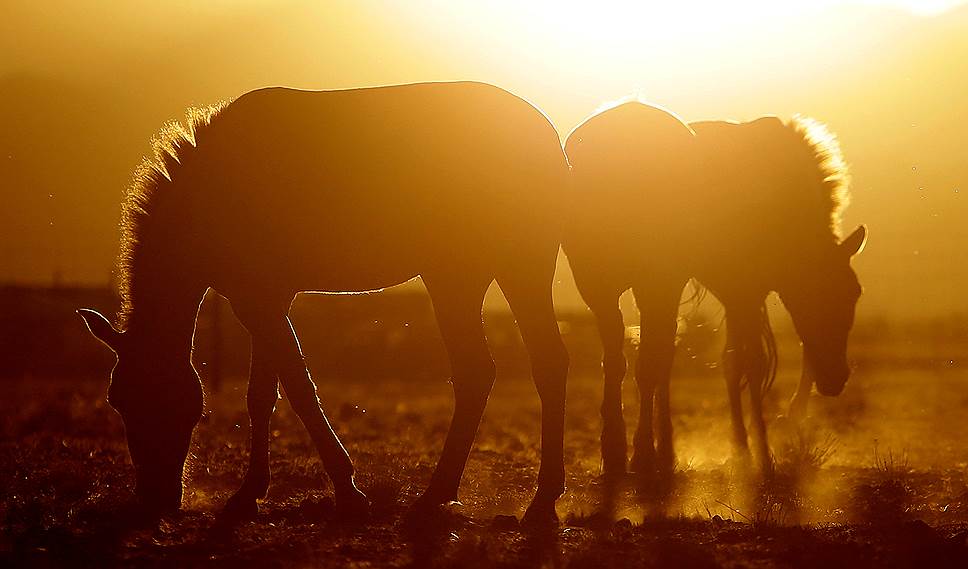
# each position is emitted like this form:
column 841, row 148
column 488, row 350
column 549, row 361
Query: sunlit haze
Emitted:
column 466, row 290
column 886, row 76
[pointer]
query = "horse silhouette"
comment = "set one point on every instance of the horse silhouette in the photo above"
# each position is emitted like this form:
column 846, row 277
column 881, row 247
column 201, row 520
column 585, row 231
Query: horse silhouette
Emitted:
column 283, row 191
column 745, row 209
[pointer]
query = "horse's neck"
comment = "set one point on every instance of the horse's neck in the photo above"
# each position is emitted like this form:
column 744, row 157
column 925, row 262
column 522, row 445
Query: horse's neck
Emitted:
column 167, row 318
column 165, row 287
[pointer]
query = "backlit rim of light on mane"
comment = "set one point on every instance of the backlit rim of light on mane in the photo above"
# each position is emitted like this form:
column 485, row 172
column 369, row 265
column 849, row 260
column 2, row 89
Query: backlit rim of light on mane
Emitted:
column 832, row 165
column 171, row 143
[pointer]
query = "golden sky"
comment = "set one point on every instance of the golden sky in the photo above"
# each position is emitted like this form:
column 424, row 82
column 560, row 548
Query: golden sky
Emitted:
column 83, row 86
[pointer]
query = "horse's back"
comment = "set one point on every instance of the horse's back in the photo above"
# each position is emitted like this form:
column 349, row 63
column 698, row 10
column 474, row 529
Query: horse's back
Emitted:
column 471, row 133
column 378, row 183
column 753, row 138
column 625, row 159
column 751, row 162
column 632, row 131
column 631, row 171
column 425, row 108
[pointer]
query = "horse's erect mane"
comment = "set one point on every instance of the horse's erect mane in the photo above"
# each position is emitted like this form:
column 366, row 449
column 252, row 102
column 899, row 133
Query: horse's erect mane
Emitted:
column 173, row 144
column 834, row 176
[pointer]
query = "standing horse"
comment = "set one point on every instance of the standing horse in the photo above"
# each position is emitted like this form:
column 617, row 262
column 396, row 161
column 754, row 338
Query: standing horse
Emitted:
column 284, row 191
column 744, row 208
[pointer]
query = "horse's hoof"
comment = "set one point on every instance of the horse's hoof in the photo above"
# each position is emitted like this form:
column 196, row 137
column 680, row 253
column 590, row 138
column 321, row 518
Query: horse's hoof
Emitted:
column 426, row 512
column 239, row 509
column 352, row 505
column 643, row 466
column 540, row 515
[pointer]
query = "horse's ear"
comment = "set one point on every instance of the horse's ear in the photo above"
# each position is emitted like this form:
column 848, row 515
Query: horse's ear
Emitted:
column 854, row 243
column 101, row 328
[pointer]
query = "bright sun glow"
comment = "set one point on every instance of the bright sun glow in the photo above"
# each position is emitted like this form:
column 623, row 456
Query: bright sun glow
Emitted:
column 618, row 21
column 621, row 46
column 922, row 7
column 626, row 22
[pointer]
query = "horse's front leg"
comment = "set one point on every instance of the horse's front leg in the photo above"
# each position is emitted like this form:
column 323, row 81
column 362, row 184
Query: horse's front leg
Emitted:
column 276, row 352
column 301, row 391
column 261, row 400
column 734, row 369
column 611, row 328
column 659, row 309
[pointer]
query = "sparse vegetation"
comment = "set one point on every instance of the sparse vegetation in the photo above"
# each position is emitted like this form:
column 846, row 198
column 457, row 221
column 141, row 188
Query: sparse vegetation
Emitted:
column 885, row 496
column 67, row 481
column 805, row 453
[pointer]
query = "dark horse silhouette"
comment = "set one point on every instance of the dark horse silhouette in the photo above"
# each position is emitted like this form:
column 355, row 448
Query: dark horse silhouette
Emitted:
column 744, row 208
column 283, row 191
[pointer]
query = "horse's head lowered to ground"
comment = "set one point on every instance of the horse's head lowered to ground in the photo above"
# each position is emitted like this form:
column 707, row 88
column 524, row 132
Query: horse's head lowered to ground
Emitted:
column 821, row 302
column 159, row 399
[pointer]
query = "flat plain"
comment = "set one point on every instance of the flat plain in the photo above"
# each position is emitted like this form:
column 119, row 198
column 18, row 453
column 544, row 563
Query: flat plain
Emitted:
column 877, row 477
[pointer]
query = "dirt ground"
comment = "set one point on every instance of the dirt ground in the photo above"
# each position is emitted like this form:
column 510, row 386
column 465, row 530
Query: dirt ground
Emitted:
column 877, row 478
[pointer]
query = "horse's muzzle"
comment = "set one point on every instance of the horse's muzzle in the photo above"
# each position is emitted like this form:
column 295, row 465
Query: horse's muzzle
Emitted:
column 830, row 377
column 832, row 380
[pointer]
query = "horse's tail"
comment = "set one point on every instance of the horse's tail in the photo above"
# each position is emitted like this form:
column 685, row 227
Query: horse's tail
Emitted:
column 768, row 340
column 696, row 298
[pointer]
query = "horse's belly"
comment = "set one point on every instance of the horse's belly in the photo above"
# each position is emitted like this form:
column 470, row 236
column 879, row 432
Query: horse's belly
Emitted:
column 353, row 271
column 291, row 262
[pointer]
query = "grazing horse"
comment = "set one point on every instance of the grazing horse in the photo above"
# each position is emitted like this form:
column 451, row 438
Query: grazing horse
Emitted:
column 283, row 191
column 745, row 209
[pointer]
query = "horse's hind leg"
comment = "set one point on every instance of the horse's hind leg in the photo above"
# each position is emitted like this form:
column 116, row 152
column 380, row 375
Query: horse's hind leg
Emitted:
column 457, row 304
column 611, row 329
column 301, row 390
column 261, row 401
column 529, row 295
column 659, row 308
